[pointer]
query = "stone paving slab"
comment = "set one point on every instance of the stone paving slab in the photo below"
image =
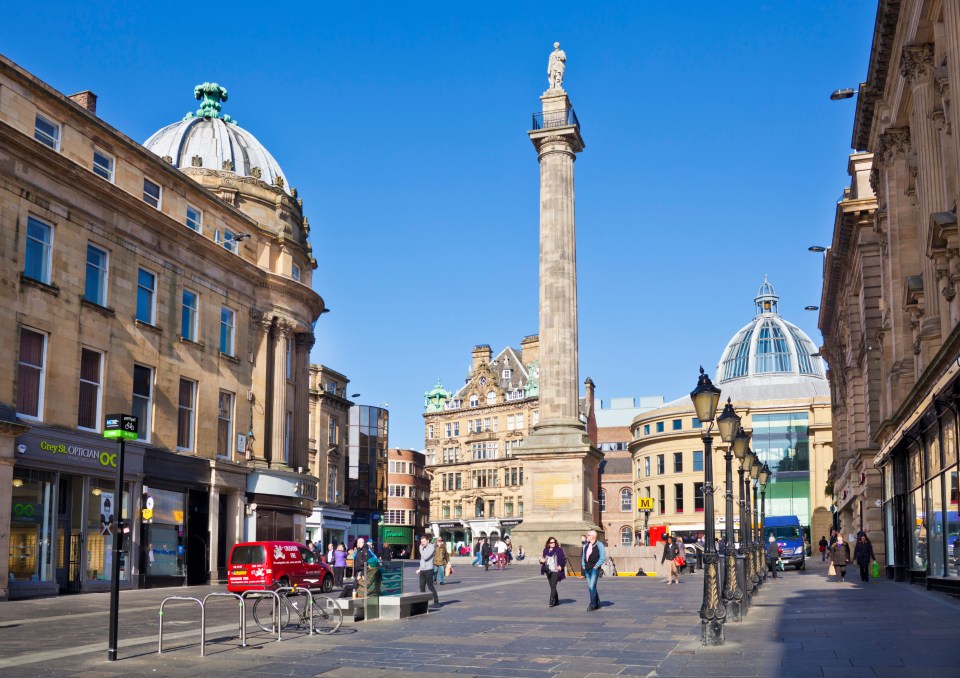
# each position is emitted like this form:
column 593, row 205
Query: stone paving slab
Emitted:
column 498, row 624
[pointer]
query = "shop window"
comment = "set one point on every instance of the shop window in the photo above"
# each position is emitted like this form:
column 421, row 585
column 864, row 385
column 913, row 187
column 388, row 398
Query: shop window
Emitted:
column 103, row 510
column 31, row 374
column 937, row 535
column 164, row 545
column 88, row 409
column 225, row 424
column 32, row 521
column 186, row 414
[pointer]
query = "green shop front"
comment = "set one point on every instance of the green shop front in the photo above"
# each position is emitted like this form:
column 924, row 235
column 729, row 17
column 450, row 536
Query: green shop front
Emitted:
column 64, row 513
column 397, row 536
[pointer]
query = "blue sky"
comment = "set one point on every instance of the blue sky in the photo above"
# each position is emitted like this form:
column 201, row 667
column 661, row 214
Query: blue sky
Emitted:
column 713, row 156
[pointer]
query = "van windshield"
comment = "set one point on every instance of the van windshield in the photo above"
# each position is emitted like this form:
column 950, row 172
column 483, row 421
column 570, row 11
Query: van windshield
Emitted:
column 786, row 532
column 249, row 555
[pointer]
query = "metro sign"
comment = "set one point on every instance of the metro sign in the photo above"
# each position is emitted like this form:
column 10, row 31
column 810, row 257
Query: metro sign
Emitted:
column 644, row 503
column 124, row 426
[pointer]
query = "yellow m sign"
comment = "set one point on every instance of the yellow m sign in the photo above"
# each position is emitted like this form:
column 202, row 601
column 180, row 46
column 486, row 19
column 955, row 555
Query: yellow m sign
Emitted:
column 645, row 503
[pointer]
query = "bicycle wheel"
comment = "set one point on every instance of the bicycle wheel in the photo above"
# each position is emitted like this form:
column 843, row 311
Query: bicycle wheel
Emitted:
column 263, row 613
column 327, row 616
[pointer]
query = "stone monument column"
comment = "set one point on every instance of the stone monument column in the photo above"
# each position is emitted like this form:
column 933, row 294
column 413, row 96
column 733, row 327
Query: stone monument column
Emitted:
column 560, row 462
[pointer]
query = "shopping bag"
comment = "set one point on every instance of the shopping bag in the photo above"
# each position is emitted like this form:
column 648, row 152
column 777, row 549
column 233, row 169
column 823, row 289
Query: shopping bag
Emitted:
column 875, row 570
column 831, row 571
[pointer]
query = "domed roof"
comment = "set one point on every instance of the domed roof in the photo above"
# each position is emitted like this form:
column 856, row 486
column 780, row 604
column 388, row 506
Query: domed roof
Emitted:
column 207, row 139
column 769, row 346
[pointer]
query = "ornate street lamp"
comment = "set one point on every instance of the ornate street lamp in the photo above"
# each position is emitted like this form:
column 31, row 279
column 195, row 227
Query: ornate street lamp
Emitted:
column 746, row 525
column 754, row 474
column 763, row 476
column 713, row 614
column 735, row 594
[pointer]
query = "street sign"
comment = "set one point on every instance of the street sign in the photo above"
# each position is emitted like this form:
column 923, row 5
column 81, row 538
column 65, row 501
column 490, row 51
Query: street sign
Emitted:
column 123, row 426
column 645, row 503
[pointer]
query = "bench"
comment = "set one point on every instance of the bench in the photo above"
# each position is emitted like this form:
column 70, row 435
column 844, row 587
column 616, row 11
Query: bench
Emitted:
column 352, row 608
column 403, row 606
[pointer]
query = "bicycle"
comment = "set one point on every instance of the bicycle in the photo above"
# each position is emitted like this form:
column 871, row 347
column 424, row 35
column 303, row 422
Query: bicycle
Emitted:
column 327, row 615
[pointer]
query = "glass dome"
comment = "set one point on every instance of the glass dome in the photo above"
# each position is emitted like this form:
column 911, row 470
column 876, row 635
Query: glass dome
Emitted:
column 769, row 345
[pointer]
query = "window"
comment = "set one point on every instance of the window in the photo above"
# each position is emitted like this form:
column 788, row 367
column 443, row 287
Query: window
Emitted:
column 520, row 507
column 695, row 423
column 478, row 508
column 626, row 536
column 31, row 373
column 228, row 240
column 491, row 398
column 505, row 374
column 103, row 164
column 225, row 424
column 47, row 132
column 626, row 500
column 332, row 493
column 333, row 432
column 88, row 410
column 678, row 497
column 146, row 290
column 287, row 421
column 458, row 510
column 520, row 421
column 646, row 467
column 662, row 498
column 194, row 219
column 486, row 423
column 228, row 321
column 536, row 420
column 660, row 464
column 39, row 250
column 188, row 316
column 678, row 462
column 698, row 497
column 445, row 510
column 430, row 431
column 490, row 508
column 151, row 193
column 603, row 499
column 185, row 414
column 456, row 428
column 698, row 460
column 396, row 490
column 143, row 399
column 508, row 507
column 447, row 428
column 474, row 401
column 95, row 286
column 510, row 422
column 659, row 427
column 646, row 429
column 295, row 272
column 288, row 358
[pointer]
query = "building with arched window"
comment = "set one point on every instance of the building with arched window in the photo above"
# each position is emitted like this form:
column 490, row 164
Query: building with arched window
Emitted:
column 775, row 377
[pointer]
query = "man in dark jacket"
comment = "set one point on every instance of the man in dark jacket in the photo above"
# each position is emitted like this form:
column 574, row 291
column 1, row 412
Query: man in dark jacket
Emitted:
column 485, row 551
column 863, row 554
column 773, row 554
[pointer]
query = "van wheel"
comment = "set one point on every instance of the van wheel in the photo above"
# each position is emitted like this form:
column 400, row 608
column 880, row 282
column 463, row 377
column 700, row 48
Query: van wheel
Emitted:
column 283, row 581
column 327, row 584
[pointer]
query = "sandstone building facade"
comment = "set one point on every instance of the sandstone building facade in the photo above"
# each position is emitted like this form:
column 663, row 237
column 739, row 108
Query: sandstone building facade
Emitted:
column 329, row 416
column 408, row 501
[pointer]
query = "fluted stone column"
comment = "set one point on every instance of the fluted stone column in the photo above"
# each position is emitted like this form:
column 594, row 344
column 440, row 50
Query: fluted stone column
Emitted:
column 560, row 463
column 282, row 331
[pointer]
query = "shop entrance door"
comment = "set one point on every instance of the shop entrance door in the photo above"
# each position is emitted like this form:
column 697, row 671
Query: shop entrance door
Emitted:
column 70, row 533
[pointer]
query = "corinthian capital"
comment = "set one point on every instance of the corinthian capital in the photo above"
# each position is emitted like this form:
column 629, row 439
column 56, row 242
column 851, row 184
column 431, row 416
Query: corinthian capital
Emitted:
column 916, row 63
column 893, row 143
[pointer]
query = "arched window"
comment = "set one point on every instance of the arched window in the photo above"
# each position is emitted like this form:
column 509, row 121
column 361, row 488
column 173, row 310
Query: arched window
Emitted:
column 626, row 536
column 478, row 508
column 492, row 398
column 603, row 499
column 474, row 400
column 626, row 500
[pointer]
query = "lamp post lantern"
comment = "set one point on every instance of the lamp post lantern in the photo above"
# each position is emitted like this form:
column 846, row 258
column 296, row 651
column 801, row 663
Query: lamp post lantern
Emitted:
column 763, row 476
column 754, row 475
column 713, row 614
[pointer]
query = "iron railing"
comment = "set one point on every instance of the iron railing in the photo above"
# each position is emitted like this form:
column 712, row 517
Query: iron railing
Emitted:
column 563, row 118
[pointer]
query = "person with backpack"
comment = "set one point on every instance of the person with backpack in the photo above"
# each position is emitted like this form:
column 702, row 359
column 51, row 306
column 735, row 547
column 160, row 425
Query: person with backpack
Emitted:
column 553, row 562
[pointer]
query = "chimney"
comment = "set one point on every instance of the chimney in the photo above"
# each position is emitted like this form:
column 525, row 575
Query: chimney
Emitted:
column 481, row 356
column 86, row 99
column 530, row 349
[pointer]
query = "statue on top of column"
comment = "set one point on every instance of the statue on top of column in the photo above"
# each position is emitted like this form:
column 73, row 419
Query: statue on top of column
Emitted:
column 556, row 67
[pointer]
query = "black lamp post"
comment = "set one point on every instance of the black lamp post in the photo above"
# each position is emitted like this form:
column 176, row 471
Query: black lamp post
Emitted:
column 763, row 476
column 746, row 525
column 734, row 591
column 754, row 474
column 713, row 614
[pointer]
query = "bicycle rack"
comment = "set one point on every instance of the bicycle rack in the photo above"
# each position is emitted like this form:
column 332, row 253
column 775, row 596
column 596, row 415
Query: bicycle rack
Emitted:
column 298, row 592
column 263, row 593
column 243, row 618
column 203, row 622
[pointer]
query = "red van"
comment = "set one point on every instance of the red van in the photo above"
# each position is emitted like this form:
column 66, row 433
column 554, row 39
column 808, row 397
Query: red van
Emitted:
column 263, row 564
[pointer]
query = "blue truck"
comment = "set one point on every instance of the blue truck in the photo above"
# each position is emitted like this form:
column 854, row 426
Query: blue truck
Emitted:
column 789, row 536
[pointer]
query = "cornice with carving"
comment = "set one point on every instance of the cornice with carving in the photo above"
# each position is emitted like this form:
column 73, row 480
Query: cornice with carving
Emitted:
column 916, row 63
column 893, row 143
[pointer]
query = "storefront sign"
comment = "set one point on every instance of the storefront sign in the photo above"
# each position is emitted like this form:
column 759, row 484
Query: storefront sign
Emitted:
column 443, row 524
column 511, row 522
column 282, row 484
column 81, row 452
column 26, row 512
column 391, row 532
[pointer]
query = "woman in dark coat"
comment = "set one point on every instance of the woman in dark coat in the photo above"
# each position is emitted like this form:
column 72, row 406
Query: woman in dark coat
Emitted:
column 553, row 563
column 840, row 556
column 671, row 551
column 863, row 554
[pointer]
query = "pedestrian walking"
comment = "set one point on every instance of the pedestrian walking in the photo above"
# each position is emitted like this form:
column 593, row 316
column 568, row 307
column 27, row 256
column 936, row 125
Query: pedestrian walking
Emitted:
column 478, row 553
column 500, row 548
column 386, row 555
column 485, row 551
column 553, row 562
column 594, row 556
column 773, row 554
column 823, row 548
column 840, row 557
column 339, row 565
column 863, row 554
column 670, row 554
column 427, row 552
column 440, row 560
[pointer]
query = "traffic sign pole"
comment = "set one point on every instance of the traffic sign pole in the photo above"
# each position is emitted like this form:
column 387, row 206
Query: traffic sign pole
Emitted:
column 120, row 426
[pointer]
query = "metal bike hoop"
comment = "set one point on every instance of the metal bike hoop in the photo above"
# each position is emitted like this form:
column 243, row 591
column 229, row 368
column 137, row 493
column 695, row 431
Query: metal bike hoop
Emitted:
column 243, row 617
column 297, row 591
column 264, row 593
column 203, row 622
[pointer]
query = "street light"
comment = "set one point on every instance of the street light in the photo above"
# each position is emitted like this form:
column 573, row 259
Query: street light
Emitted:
column 741, row 447
column 817, row 248
column 733, row 589
column 752, row 548
column 763, row 477
column 754, row 473
column 811, row 308
column 713, row 614
column 840, row 94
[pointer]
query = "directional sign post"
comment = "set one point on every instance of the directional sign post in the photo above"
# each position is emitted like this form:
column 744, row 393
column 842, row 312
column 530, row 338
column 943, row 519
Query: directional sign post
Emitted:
column 123, row 427
column 645, row 506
